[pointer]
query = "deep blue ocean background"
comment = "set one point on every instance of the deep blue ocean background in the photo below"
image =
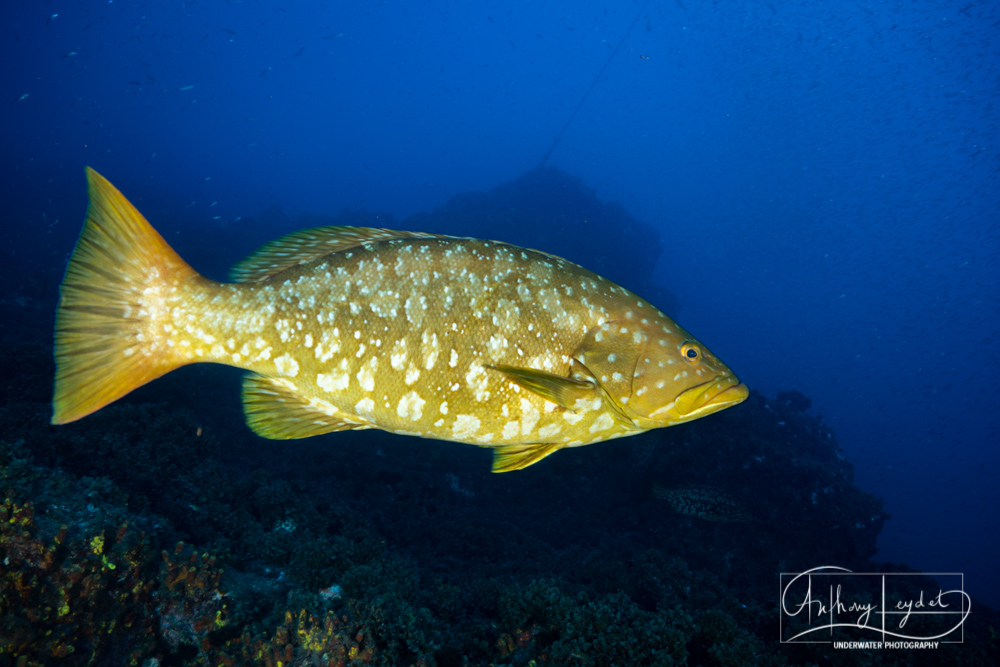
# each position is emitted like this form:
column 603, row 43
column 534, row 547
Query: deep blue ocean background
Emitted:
column 824, row 179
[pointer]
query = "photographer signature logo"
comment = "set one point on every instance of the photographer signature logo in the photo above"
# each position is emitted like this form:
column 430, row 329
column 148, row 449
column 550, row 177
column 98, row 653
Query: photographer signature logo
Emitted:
column 832, row 605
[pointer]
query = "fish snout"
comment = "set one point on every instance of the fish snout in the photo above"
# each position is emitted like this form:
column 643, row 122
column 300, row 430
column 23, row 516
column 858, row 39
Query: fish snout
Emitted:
column 721, row 392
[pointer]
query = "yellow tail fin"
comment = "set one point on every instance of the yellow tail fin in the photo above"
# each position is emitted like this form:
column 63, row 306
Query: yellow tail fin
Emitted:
column 113, row 290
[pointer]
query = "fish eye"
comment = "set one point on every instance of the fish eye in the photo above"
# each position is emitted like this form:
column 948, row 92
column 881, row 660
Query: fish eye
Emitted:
column 690, row 352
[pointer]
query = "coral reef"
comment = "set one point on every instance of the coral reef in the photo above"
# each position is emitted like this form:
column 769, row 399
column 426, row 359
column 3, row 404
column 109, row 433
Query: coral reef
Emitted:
column 85, row 595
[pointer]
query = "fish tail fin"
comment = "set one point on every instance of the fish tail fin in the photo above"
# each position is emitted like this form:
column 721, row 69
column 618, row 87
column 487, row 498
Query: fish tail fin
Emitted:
column 115, row 287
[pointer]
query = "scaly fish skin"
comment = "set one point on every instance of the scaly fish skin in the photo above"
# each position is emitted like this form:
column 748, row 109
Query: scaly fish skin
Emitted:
column 349, row 328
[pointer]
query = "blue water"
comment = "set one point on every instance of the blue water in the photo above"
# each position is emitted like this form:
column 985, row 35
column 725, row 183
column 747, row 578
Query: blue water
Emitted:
column 824, row 178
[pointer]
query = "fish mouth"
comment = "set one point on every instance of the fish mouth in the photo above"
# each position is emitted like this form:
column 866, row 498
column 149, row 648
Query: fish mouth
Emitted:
column 718, row 394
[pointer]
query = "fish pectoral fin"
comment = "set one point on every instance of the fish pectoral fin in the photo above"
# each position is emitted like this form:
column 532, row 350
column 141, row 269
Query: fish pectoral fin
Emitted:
column 562, row 391
column 275, row 409
column 515, row 457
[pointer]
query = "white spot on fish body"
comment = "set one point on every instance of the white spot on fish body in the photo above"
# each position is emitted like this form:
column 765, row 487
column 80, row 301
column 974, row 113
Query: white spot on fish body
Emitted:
column 336, row 380
column 431, row 350
column 366, row 376
column 286, row 365
column 365, row 408
column 397, row 357
column 410, row 406
column 453, row 361
column 465, row 426
column 549, row 430
column 496, row 346
column 529, row 416
column 477, row 380
column 602, row 423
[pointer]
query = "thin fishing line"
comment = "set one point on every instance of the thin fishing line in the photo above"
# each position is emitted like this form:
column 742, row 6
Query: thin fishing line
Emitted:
column 558, row 137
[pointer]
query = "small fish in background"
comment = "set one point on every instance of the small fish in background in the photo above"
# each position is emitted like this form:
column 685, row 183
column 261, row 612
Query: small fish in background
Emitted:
column 346, row 328
column 703, row 502
column 20, row 98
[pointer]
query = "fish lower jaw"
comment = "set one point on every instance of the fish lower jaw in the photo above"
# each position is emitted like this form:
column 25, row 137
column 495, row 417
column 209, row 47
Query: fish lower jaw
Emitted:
column 698, row 402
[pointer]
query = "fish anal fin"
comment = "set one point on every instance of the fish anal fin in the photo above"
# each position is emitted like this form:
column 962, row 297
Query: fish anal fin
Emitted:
column 515, row 457
column 562, row 391
column 309, row 244
column 275, row 409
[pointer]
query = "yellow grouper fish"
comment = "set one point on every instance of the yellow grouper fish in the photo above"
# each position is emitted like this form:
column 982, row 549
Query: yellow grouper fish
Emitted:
column 353, row 328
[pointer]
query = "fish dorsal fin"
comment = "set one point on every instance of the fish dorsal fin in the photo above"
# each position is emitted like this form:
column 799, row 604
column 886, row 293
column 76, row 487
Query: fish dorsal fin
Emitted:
column 562, row 391
column 308, row 244
column 275, row 409
column 516, row 457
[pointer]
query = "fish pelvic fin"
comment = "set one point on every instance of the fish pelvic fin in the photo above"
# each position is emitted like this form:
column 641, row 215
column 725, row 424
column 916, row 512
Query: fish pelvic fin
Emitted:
column 114, row 286
column 515, row 457
column 275, row 409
